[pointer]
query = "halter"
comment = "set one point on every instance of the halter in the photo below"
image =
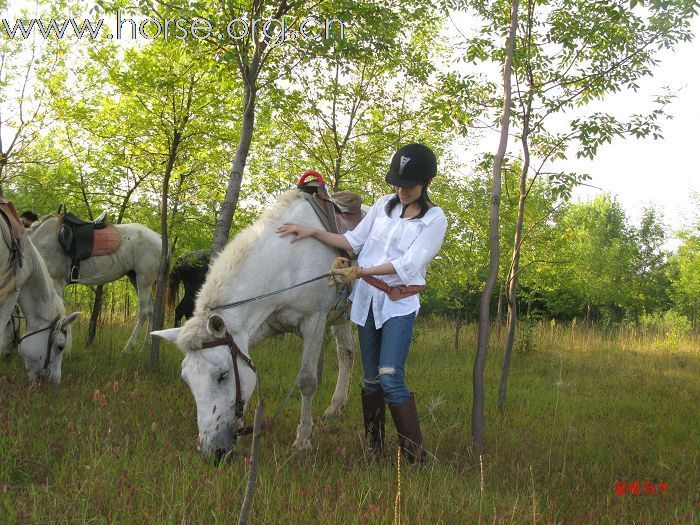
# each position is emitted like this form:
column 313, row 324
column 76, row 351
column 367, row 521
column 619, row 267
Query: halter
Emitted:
column 15, row 318
column 235, row 354
column 51, row 328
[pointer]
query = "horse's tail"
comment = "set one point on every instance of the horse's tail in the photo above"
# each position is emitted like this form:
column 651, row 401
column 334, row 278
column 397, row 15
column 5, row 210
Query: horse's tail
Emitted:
column 173, row 285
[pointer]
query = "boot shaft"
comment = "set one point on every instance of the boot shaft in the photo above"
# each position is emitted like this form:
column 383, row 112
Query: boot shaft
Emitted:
column 374, row 415
column 405, row 418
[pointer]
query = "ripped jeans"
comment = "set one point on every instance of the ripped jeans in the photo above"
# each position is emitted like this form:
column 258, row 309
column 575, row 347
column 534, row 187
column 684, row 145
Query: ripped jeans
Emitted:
column 384, row 352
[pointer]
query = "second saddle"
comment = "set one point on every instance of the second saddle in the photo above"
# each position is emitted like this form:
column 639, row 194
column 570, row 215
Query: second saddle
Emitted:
column 76, row 236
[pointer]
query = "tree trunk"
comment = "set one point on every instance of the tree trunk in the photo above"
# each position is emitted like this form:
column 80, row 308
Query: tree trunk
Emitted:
column 512, row 284
column 499, row 309
column 95, row 315
column 460, row 321
column 3, row 163
column 162, row 282
column 478, row 430
column 228, row 207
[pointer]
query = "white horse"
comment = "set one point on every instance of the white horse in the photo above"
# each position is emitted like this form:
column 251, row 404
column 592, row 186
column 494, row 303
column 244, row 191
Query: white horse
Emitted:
column 138, row 257
column 48, row 331
column 256, row 262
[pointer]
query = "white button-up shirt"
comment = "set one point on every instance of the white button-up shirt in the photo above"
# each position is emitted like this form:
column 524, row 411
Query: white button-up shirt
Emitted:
column 409, row 244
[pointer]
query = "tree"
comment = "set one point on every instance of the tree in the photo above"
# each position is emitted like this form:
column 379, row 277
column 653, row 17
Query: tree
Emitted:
column 569, row 53
column 144, row 117
column 651, row 290
column 683, row 271
column 478, row 427
column 26, row 65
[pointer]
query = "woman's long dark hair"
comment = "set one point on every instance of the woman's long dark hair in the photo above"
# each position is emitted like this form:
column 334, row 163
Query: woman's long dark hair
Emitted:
column 423, row 201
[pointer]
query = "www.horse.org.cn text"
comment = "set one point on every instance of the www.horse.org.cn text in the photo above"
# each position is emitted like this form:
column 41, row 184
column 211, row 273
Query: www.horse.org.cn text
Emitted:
column 272, row 30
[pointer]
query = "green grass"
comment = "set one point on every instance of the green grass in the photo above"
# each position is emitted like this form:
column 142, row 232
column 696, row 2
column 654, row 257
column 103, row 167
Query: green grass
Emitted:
column 116, row 443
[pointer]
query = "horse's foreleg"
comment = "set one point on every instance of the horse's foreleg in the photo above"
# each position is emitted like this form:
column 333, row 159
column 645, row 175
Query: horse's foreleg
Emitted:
column 312, row 334
column 345, row 344
column 143, row 289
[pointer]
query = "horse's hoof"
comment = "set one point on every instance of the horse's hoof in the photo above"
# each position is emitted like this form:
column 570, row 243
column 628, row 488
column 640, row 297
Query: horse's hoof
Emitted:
column 302, row 446
column 331, row 414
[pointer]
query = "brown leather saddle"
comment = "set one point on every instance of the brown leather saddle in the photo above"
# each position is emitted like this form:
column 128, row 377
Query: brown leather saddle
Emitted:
column 14, row 235
column 339, row 212
column 77, row 238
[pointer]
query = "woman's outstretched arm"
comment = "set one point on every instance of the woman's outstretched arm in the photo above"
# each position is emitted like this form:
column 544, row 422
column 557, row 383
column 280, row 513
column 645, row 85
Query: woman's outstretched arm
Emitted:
column 302, row 232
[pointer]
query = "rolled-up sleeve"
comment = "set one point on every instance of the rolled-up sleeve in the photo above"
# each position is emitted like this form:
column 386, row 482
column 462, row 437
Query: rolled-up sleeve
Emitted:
column 426, row 246
column 358, row 236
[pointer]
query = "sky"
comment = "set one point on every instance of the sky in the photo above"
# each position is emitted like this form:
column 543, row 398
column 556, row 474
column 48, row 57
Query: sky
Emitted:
column 660, row 172
column 663, row 173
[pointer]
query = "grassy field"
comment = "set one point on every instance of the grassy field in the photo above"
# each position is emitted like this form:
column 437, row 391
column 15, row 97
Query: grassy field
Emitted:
column 116, row 443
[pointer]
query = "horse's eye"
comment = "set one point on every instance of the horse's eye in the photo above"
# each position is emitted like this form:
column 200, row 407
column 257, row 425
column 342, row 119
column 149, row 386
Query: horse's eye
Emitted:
column 61, row 348
column 222, row 376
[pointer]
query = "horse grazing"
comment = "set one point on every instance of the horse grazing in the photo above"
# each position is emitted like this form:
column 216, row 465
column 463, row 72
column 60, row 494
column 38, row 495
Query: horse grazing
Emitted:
column 137, row 257
column 48, row 332
column 216, row 341
column 190, row 270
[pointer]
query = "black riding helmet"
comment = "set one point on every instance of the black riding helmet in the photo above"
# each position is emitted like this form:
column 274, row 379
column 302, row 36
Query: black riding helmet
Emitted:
column 412, row 164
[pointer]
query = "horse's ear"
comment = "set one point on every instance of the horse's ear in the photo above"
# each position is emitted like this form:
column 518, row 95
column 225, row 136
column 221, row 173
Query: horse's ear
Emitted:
column 169, row 334
column 69, row 320
column 216, row 325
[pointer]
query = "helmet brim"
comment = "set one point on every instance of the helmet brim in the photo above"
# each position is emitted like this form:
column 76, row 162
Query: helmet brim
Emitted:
column 393, row 180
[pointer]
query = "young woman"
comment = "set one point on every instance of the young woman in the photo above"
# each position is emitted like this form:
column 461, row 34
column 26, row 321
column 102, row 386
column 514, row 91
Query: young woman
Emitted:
column 395, row 243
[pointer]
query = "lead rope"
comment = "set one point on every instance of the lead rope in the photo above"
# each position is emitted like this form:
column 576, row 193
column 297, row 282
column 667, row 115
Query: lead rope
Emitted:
column 251, row 299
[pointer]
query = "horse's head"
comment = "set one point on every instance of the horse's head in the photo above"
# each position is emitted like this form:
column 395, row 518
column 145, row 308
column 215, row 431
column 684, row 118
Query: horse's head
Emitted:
column 42, row 348
column 209, row 370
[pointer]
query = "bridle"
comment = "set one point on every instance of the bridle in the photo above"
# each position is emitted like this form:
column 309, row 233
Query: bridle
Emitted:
column 51, row 329
column 235, row 354
column 15, row 318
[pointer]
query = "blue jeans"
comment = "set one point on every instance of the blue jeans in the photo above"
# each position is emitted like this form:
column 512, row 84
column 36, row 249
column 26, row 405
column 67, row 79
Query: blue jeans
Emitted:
column 384, row 352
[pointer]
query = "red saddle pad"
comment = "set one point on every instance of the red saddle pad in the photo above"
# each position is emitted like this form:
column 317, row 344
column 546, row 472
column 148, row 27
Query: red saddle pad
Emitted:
column 106, row 240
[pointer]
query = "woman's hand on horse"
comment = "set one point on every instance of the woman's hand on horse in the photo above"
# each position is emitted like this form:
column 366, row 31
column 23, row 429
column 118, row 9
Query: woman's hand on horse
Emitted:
column 300, row 231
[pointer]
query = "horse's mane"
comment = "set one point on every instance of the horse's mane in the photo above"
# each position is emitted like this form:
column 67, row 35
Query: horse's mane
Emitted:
column 224, row 267
column 40, row 277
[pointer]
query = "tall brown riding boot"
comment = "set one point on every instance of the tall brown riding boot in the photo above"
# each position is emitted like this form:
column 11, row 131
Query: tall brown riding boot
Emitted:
column 373, row 412
column 405, row 418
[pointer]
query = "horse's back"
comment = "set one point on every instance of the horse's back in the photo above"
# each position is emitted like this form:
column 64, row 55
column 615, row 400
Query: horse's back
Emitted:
column 138, row 251
column 271, row 263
